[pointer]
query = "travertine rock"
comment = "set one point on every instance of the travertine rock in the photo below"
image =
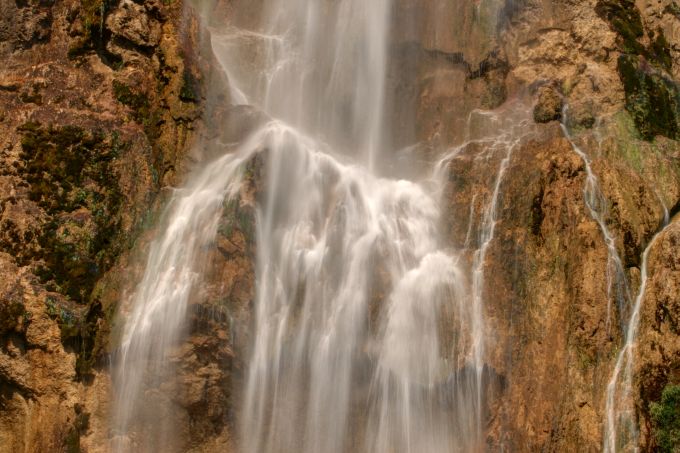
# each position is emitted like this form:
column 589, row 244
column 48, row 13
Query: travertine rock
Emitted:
column 548, row 106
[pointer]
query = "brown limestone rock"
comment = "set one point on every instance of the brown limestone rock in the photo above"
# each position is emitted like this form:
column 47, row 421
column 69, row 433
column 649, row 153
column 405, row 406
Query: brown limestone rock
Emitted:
column 548, row 106
column 658, row 353
column 99, row 104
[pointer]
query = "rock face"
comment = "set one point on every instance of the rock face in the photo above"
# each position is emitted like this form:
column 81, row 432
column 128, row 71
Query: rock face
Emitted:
column 548, row 106
column 554, row 332
column 658, row 365
column 100, row 103
column 553, row 329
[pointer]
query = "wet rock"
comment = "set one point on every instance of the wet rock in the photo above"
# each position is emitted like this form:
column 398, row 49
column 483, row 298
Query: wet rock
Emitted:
column 658, row 356
column 652, row 99
column 581, row 116
column 131, row 22
column 624, row 17
column 548, row 105
column 24, row 24
column 13, row 313
column 82, row 164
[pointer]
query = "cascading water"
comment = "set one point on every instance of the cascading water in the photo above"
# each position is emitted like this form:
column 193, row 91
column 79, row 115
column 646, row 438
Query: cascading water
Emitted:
column 616, row 280
column 351, row 274
column 158, row 306
column 620, row 424
column 350, row 279
column 621, row 431
column 618, row 287
column 353, row 277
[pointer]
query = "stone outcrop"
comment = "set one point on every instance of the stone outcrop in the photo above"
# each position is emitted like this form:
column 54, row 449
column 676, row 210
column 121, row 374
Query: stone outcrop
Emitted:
column 99, row 102
column 553, row 330
column 658, row 354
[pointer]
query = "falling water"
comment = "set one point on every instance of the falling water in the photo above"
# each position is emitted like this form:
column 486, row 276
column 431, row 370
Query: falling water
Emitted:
column 351, row 275
column 621, row 432
column 153, row 327
column 618, row 288
column 620, row 425
column 501, row 132
column 368, row 330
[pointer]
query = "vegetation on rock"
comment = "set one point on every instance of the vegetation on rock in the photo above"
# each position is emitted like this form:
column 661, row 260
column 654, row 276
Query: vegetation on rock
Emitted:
column 71, row 176
column 652, row 98
column 549, row 106
column 666, row 420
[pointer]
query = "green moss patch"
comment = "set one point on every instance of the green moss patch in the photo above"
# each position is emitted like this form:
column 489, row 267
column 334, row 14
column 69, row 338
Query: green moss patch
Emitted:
column 71, row 176
column 666, row 420
column 12, row 311
column 625, row 20
column 659, row 50
column 67, row 319
column 652, row 99
column 92, row 36
column 191, row 88
column 85, row 331
column 138, row 102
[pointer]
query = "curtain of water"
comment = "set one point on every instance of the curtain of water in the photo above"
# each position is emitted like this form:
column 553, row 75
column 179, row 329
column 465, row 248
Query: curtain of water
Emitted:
column 350, row 272
column 351, row 275
column 353, row 279
column 158, row 308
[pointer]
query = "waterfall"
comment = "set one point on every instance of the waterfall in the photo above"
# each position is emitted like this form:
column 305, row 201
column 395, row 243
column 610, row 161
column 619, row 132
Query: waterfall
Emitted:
column 620, row 424
column 159, row 304
column 617, row 283
column 368, row 331
column 351, row 272
column 617, row 287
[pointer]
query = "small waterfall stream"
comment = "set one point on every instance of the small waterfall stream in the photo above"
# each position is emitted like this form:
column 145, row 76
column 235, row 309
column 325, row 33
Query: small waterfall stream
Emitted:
column 621, row 431
column 158, row 306
column 618, row 287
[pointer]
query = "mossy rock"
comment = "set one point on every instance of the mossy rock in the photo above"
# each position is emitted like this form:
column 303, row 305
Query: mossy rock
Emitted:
column 67, row 319
column 12, row 311
column 191, row 88
column 91, row 35
column 624, row 18
column 549, row 106
column 85, row 331
column 71, row 176
column 80, row 426
column 137, row 101
column 659, row 50
column 666, row 420
column 652, row 99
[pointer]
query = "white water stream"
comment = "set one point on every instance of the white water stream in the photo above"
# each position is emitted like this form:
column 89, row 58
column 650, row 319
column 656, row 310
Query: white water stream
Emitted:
column 356, row 287
column 618, row 287
column 621, row 432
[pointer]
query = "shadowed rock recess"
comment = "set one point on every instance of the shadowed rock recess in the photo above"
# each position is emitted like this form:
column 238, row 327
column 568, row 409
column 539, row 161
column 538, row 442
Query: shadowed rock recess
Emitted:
column 428, row 225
